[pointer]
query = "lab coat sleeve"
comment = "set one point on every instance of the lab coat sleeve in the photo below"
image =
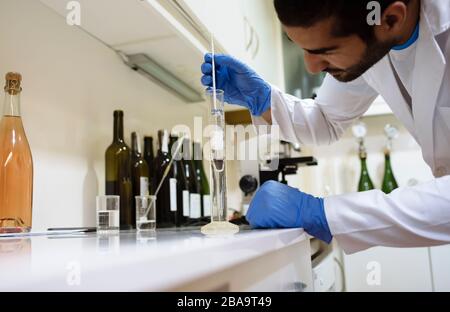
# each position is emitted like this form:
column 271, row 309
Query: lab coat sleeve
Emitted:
column 408, row 217
column 324, row 120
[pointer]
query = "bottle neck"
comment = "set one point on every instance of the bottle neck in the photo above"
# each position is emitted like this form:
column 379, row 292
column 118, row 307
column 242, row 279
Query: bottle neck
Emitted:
column 387, row 158
column 118, row 128
column 173, row 145
column 11, row 105
column 148, row 148
column 364, row 165
column 136, row 144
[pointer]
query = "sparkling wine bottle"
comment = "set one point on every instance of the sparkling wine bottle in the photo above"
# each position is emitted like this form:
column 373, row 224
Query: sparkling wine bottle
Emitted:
column 16, row 164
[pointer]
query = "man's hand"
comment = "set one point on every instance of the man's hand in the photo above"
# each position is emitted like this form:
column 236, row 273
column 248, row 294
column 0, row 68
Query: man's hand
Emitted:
column 242, row 86
column 276, row 205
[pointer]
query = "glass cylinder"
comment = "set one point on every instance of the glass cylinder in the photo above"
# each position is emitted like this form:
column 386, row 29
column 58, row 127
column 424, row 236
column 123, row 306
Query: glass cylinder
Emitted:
column 219, row 223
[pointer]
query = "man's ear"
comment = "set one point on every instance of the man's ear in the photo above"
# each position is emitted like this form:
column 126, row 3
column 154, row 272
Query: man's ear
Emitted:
column 394, row 17
column 392, row 21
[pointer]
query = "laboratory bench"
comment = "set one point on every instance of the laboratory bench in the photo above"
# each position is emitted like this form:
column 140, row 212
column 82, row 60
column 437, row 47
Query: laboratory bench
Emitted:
column 167, row 260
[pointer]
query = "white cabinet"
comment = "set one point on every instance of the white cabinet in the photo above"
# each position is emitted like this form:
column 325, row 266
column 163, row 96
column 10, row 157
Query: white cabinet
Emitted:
column 440, row 265
column 263, row 40
column 388, row 269
column 416, row 269
column 223, row 18
column 247, row 29
column 284, row 270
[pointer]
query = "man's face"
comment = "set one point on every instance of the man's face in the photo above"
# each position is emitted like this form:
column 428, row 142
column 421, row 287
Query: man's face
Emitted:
column 345, row 58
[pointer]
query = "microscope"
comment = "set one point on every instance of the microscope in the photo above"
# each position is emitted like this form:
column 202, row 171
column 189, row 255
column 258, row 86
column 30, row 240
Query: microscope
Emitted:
column 256, row 173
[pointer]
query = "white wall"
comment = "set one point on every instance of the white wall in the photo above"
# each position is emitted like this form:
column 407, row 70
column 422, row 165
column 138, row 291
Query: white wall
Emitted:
column 72, row 83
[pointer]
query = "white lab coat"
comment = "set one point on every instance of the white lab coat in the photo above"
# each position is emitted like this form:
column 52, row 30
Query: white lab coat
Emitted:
column 408, row 217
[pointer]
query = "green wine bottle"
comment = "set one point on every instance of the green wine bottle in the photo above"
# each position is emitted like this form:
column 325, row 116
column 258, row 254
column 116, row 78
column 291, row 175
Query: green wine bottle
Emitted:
column 164, row 202
column 176, row 179
column 140, row 171
column 365, row 183
column 149, row 157
column 118, row 172
column 200, row 175
column 389, row 182
column 195, row 197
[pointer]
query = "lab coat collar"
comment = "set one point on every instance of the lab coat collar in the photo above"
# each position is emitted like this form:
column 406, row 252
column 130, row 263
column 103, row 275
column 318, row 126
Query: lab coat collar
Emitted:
column 428, row 74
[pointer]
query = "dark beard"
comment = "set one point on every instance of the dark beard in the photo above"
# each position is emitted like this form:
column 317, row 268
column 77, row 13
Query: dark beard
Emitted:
column 374, row 53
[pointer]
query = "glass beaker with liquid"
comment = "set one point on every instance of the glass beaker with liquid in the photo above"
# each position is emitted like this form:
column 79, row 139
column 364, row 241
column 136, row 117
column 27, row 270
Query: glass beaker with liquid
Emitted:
column 219, row 223
column 108, row 214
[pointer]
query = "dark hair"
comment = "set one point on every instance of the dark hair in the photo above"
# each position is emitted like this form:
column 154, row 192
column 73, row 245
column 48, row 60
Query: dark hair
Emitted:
column 350, row 15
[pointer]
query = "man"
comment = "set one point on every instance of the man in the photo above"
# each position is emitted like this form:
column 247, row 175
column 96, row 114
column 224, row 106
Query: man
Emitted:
column 405, row 57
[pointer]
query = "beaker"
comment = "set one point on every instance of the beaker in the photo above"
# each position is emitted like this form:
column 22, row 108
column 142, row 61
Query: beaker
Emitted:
column 108, row 214
column 219, row 223
column 145, row 213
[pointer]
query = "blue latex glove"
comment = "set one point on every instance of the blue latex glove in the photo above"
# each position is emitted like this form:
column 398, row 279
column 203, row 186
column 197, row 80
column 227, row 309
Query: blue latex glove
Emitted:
column 242, row 86
column 276, row 205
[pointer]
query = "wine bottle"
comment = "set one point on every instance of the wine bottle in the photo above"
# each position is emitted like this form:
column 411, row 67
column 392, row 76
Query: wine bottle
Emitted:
column 202, row 180
column 179, row 182
column 195, row 198
column 389, row 182
column 365, row 182
column 118, row 173
column 139, row 169
column 164, row 203
column 16, row 163
column 184, row 209
column 149, row 157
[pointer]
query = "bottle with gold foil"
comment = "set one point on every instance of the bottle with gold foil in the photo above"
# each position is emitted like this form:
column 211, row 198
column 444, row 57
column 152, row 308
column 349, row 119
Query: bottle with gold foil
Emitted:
column 365, row 182
column 389, row 181
column 16, row 163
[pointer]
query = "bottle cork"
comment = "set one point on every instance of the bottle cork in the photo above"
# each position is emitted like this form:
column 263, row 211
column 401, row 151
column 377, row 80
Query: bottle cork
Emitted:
column 13, row 81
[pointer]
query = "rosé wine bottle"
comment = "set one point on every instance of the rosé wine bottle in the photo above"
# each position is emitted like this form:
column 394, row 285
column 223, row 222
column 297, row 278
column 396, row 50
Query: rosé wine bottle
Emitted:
column 16, row 163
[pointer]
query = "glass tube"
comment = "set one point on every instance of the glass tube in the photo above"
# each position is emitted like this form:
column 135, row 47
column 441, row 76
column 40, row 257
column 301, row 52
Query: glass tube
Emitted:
column 219, row 224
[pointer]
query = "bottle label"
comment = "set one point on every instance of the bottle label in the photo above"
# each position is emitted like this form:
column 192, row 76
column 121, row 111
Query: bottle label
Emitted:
column 186, row 203
column 144, row 190
column 173, row 194
column 195, row 207
column 207, row 205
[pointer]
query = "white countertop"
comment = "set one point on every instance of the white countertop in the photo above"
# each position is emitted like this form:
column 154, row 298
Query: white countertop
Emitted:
column 129, row 261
